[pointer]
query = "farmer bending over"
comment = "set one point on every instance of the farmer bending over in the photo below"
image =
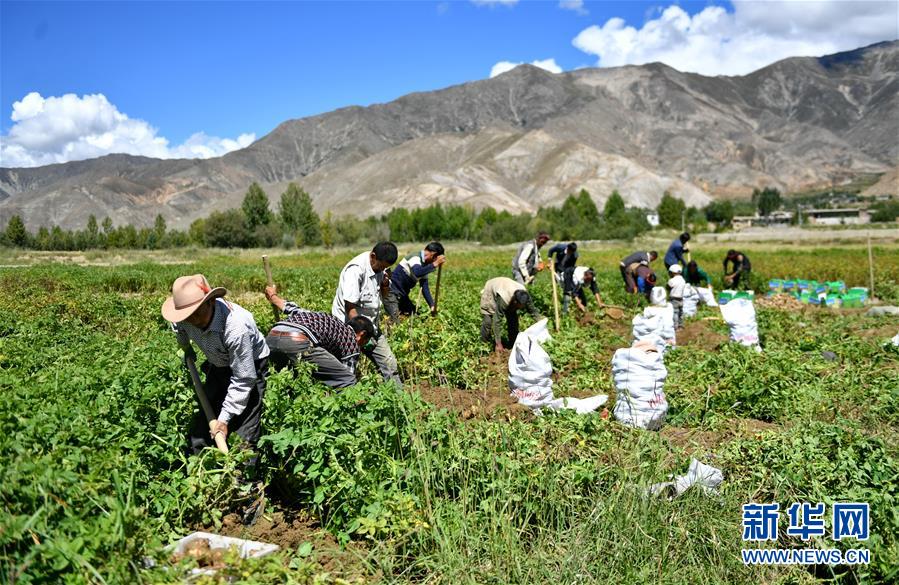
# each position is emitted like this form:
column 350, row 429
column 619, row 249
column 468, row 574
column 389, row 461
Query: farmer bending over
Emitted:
column 502, row 299
column 413, row 269
column 363, row 283
column 236, row 363
column 321, row 339
column 573, row 282
column 629, row 269
column 740, row 272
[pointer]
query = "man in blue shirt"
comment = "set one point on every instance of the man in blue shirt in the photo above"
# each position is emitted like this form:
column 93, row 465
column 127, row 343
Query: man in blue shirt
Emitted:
column 676, row 251
column 413, row 269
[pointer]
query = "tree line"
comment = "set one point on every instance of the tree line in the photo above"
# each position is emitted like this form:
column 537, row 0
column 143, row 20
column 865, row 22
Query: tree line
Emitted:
column 295, row 223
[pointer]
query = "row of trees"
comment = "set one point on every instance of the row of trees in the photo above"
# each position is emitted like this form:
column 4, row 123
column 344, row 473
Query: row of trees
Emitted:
column 294, row 222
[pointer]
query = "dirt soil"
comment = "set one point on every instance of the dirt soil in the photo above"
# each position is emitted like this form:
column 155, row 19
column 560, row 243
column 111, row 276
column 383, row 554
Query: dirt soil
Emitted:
column 289, row 530
column 698, row 333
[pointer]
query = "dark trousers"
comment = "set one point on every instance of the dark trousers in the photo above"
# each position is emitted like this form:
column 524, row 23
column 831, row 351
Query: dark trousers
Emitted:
column 511, row 328
column 286, row 350
column 742, row 279
column 396, row 305
column 246, row 425
column 630, row 284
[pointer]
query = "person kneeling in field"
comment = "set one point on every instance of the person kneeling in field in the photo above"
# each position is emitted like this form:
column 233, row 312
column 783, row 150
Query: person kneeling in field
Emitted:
column 502, row 299
column 321, row 339
column 413, row 269
column 236, row 363
column 573, row 282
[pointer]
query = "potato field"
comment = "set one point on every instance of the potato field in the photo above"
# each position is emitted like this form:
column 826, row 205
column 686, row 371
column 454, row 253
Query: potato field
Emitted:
column 447, row 481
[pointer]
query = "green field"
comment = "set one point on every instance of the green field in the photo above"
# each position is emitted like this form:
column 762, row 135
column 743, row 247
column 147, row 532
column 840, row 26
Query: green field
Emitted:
column 447, row 481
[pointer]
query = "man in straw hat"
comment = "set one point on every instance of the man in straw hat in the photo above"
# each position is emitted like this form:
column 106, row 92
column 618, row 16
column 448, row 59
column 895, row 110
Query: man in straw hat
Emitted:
column 236, row 359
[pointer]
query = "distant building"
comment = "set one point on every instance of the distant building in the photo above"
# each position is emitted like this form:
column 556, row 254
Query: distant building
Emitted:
column 837, row 216
column 653, row 219
column 775, row 219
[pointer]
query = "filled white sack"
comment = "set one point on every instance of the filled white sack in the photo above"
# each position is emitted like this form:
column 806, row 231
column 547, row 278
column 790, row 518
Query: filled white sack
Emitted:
column 639, row 374
column 739, row 314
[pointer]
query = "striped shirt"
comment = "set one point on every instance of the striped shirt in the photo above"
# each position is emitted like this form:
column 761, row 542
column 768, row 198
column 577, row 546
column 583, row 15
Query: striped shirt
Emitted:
column 325, row 331
column 231, row 340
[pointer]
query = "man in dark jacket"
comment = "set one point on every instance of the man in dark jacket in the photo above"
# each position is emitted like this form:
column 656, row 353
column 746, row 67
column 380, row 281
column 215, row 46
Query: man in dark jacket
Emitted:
column 413, row 269
column 676, row 251
column 565, row 256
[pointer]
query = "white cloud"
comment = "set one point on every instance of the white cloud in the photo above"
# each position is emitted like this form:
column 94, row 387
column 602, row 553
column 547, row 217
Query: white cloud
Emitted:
column 574, row 5
column 504, row 66
column 717, row 42
column 61, row 129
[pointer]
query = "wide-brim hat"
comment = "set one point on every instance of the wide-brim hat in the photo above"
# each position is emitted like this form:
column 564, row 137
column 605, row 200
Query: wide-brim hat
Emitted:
column 188, row 293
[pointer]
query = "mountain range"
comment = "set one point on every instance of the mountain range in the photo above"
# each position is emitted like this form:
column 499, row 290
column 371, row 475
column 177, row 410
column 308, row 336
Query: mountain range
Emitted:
column 518, row 141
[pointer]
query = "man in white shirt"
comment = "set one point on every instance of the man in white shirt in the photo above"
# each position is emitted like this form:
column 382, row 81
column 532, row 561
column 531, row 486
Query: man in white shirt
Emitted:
column 236, row 363
column 527, row 262
column 362, row 285
column 676, row 286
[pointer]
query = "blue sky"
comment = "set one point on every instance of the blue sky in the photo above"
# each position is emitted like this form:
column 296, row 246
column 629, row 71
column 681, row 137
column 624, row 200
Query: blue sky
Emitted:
column 226, row 69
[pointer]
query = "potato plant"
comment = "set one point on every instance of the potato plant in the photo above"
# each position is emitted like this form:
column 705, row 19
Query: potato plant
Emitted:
column 94, row 479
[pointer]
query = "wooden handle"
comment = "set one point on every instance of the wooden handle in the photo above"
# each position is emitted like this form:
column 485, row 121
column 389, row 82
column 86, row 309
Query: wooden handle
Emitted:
column 270, row 282
column 268, row 271
column 552, row 276
column 221, row 442
column 437, row 287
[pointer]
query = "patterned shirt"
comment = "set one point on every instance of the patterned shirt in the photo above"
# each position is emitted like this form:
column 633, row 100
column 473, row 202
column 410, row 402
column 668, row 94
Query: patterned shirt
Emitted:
column 325, row 331
column 231, row 340
column 360, row 285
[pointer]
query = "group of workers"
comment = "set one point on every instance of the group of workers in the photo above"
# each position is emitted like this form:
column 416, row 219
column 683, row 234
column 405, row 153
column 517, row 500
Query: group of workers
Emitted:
column 238, row 355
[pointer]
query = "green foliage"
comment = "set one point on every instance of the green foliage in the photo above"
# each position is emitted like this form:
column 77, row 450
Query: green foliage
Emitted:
column 721, row 213
column 16, row 234
column 671, row 211
column 885, row 211
column 768, row 200
column 227, row 229
column 298, row 216
column 94, row 476
column 255, row 207
column 613, row 210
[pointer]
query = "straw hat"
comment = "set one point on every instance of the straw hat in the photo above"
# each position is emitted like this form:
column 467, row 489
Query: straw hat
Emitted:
column 188, row 293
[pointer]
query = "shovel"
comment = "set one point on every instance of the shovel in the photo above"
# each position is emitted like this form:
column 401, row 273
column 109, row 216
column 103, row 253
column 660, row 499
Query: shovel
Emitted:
column 219, row 439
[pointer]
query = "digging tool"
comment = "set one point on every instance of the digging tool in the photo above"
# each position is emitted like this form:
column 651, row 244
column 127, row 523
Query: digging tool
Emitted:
column 437, row 288
column 270, row 282
column 552, row 276
column 219, row 438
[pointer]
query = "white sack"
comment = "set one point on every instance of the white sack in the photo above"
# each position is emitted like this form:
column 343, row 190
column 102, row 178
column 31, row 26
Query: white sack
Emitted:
column 739, row 314
column 665, row 329
column 530, row 371
column 579, row 405
column 691, row 301
column 895, row 340
column 530, row 374
column 707, row 296
column 708, row 479
column 639, row 373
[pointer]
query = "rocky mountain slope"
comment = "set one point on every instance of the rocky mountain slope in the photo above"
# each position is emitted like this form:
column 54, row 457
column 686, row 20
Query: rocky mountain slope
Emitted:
column 518, row 141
